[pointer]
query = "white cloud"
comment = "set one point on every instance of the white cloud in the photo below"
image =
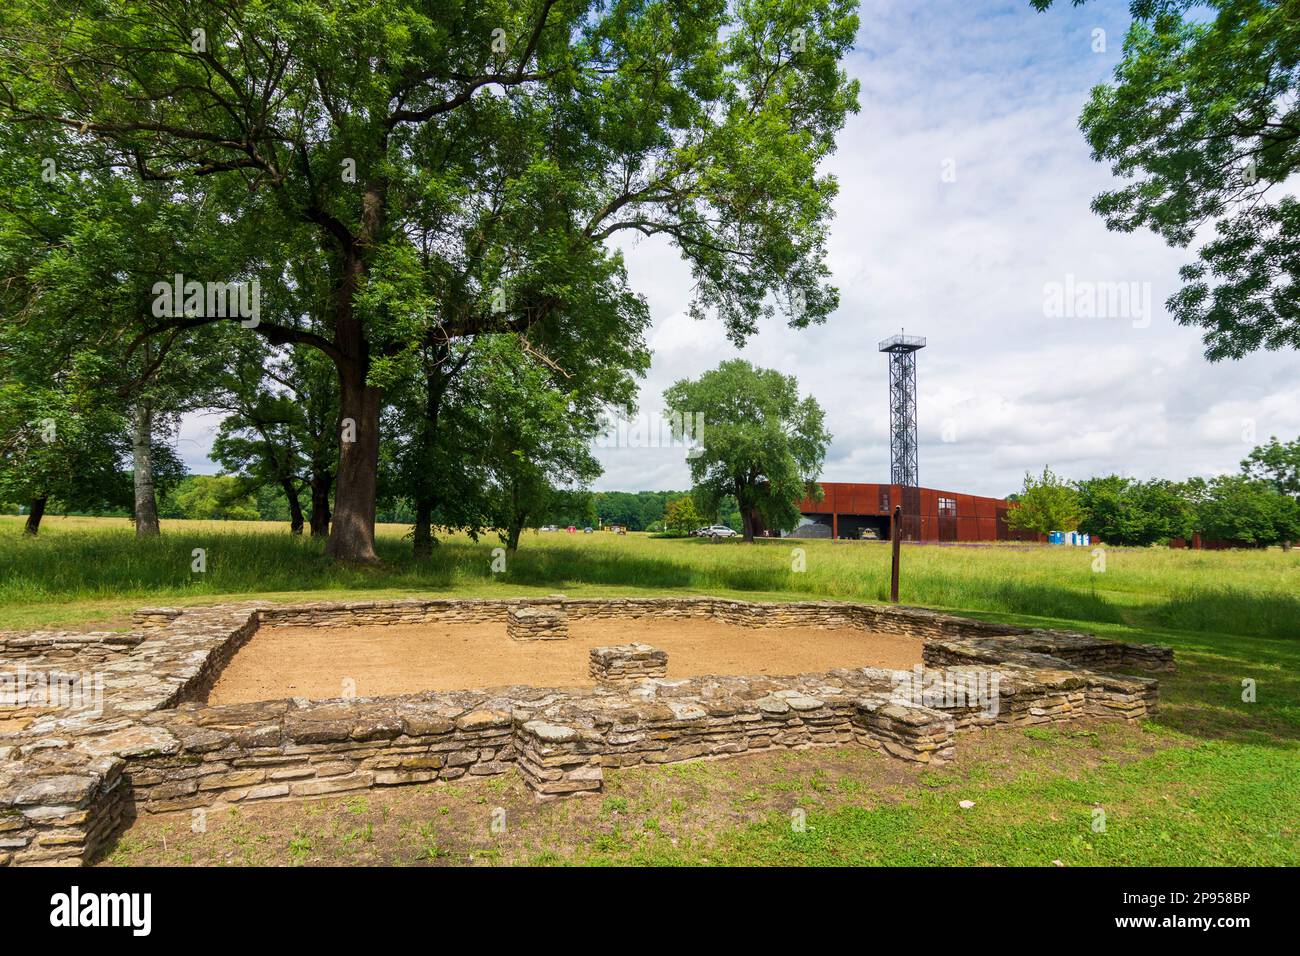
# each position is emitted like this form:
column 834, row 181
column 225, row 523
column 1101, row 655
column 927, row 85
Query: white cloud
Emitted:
column 996, row 88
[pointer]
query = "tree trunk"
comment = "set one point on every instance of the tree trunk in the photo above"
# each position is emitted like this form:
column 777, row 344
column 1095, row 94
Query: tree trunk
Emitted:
column 512, row 537
column 320, row 505
column 423, row 527
column 146, row 501
column 352, row 532
column 295, row 507
column 34, row 516
column 746, row 513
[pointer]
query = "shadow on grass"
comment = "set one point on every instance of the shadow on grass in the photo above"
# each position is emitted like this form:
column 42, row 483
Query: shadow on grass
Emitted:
column 1009, row 596
column 1204, row 698
column 1229, row 610
column 557, row 566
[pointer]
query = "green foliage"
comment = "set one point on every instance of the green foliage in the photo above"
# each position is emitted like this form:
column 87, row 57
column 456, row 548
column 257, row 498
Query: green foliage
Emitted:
column 55, row 444
column 761, row 442
column 1238, row 508
column 94, row 568
column 538, row 435
column 635, row 510
column 1045, row 504
column 681, row 516
column 1127, row 512
column 280, row 434
column 1202, row 121
column 429, row 173
column 214, row 497
column 1277, row 462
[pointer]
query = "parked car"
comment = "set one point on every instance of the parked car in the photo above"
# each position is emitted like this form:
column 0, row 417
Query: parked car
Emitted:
column 586, row 531
column 550, row 527
column 717, row 531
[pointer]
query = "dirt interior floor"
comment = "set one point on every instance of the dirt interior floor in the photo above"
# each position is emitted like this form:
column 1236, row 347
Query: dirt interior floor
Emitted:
column 314, row 662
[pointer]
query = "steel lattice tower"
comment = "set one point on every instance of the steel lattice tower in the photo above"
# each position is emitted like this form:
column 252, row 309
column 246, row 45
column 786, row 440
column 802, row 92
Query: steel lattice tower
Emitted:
column 902, row 351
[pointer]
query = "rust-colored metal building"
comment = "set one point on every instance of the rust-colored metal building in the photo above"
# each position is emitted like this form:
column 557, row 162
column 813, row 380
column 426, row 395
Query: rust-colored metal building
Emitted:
column 849, row 509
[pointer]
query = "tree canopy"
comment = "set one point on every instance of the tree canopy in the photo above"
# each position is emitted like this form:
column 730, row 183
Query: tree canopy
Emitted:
column 431, row 173
column 762, row 443
column 1202, row 124
column 1046, row 504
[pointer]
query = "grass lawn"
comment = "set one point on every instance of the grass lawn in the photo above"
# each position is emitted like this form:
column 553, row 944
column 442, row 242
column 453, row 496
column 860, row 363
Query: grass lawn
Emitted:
column 1210, row 780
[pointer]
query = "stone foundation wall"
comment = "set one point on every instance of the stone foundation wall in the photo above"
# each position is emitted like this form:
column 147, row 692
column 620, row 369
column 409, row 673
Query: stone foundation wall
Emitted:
column 70, row 781
column 1044, row 647
column 824, row 614
column 68, row 649
column 537, row 624
column 59, row 812
column 284, row 749
column 626, row 663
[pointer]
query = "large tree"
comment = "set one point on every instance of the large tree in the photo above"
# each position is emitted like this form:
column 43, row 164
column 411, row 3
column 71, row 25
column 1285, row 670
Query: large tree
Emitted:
column 1278, row 462
column 82, row 247
column 280, row 430
column 1045, row 504
column 1124, row 511
column 1237, row 508
column 1203, row 122
column 372, row 122
column 56, row 444
column 762, row 443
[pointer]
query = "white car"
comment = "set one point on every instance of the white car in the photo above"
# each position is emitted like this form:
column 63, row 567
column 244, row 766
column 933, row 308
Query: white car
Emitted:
column 717, row 531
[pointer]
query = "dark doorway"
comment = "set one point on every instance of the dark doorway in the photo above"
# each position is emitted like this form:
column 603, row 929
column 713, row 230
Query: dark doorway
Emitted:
column 870, row 527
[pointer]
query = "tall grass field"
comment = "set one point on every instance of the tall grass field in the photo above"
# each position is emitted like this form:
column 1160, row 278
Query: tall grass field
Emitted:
column 80, row 568
column 1210, row 779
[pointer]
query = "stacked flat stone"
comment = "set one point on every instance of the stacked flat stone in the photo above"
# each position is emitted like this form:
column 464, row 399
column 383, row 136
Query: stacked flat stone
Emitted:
column 559, row 761
column 52, row 647
column 627, row 663
column 537, row 624
column 69, row 780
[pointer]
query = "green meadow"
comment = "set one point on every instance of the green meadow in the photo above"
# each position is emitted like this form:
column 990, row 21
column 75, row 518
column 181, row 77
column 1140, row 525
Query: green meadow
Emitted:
column 1210, row 779
column 79, row 569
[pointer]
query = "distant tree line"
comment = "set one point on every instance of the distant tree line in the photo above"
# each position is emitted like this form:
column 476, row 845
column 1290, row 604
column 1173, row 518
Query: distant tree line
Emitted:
column 1260, row 506
column 232, row 498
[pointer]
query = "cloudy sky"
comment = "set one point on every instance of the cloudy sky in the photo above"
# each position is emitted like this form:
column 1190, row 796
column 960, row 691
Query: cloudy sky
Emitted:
column 964, row 192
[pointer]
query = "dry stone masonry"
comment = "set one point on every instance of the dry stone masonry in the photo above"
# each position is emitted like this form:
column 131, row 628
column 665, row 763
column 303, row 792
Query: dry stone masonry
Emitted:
column 627, row 663
column 72, row 777
column 537, row 624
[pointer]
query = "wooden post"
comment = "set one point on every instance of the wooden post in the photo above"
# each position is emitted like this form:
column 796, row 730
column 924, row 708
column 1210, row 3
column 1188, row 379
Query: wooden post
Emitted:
column 895, row 532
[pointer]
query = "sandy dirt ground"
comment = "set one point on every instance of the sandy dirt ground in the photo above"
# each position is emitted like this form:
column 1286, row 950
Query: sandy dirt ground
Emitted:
column 403, row 659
